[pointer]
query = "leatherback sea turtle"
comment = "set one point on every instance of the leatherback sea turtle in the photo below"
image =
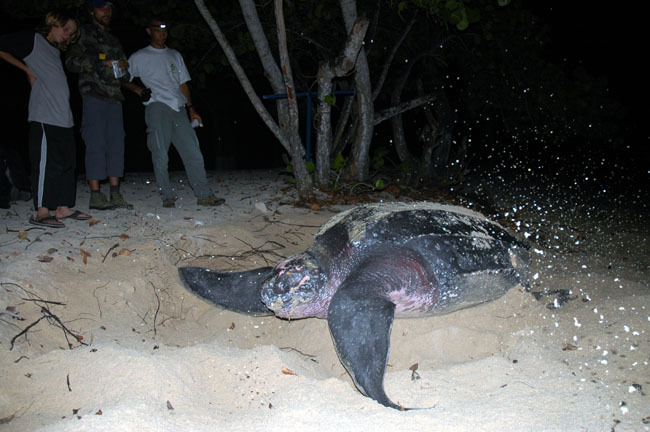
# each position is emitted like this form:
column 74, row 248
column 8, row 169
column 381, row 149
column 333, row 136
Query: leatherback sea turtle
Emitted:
column 373, row 263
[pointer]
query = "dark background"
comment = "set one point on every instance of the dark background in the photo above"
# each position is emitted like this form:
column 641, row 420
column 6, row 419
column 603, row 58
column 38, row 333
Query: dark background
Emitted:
column 606, row 41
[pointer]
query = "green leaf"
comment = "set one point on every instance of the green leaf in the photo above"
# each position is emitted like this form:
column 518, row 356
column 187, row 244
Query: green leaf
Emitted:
column 378, row 157
column 338, row 163
column 457, row 16
column 460, row 18
column 330, row 100
column 310, row 166
column 503, row 2
column 405, row 166
column 318, row 12
column 453, row 5
column 401, row 6
column 379, row 184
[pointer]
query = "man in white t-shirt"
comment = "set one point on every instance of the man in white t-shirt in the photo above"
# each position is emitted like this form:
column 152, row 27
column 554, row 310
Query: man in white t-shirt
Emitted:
column 166, row 94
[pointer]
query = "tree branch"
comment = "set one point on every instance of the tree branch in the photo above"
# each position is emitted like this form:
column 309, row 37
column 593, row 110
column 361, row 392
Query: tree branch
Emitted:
column 241, row 74
column 254, row 25
column 403, row 107
column 384, row 73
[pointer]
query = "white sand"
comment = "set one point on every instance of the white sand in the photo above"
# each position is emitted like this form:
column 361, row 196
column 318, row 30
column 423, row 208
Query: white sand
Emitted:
column 156, row 358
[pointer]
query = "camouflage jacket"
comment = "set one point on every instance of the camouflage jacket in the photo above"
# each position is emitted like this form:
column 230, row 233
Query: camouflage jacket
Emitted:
column 86, row 58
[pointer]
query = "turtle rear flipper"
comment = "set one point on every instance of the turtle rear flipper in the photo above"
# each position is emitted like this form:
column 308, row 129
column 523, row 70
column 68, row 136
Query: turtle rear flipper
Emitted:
column 360, row 325
column 235, row 291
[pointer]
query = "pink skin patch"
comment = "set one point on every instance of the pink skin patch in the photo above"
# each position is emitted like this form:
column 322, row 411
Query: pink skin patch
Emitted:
column 406, row 282
column 303, row 281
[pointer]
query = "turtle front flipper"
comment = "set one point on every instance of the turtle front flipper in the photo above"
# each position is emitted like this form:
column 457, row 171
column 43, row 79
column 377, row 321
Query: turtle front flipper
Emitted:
column 360, row 325
column 236, row 291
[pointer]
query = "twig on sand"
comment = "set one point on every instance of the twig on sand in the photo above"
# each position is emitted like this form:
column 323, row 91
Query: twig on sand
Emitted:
column 54, row 320
column 24, row 332
column 15, row 415
column 180, row 252
column 299, row 352
column 44, row 301
column 95, row 295
column 297, row 225
column 299, row 235
column 25, row 290
column 155, row 316
column 26, row 229
column 47, row 314
column 267, row 248
column 109, row 251
column 261, row 252
column 66, row 331
column 37, row 239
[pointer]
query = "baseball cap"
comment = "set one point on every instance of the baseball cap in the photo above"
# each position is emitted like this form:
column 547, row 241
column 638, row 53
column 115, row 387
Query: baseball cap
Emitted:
column 99, row 3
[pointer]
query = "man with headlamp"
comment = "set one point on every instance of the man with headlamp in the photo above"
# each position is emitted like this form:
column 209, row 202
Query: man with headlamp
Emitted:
column 163, row 72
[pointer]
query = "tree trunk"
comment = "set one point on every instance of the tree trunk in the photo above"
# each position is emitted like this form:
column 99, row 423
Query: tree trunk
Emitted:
column 271, row 69
column 359, row 168
column 446, row 117
column 326, row 73
column 323, row 126
column 340, row 141
column 302, row 176
column 429, row 141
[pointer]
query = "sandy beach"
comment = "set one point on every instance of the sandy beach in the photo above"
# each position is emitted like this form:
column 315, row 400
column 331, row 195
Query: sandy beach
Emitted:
column 97, row 332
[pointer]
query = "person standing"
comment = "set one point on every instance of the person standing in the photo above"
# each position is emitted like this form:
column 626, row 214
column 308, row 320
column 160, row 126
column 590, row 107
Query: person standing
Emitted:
column 52, row 145
column 101, row 63
column 163, row 72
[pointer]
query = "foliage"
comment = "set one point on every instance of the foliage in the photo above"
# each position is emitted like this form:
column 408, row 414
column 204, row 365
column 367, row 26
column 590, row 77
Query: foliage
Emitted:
column 379, row 156
column 309, row 164
column 330, row 99
column 338, row 163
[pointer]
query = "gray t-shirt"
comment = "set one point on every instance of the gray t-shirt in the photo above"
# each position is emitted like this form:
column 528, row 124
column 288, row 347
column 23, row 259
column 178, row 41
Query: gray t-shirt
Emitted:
column 49, row 99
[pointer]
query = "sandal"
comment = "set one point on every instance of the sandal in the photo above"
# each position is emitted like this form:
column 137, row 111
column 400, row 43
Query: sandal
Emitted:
column 77, row 215
column 48, row 222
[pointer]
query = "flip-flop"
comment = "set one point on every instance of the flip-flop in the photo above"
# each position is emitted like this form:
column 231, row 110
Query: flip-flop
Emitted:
column 48, row 222
column 77, row 215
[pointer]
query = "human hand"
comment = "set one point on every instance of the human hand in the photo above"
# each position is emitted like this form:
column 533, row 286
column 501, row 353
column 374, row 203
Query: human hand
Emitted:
column 122, row 64
column 30, row 77
column 145, row 94
column 195, row 116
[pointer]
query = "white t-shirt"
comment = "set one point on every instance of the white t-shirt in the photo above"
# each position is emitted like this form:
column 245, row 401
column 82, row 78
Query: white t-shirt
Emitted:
column 163, row 71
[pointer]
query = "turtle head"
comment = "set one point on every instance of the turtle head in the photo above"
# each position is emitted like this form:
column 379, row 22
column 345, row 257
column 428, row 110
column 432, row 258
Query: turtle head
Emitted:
column 294, row 288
